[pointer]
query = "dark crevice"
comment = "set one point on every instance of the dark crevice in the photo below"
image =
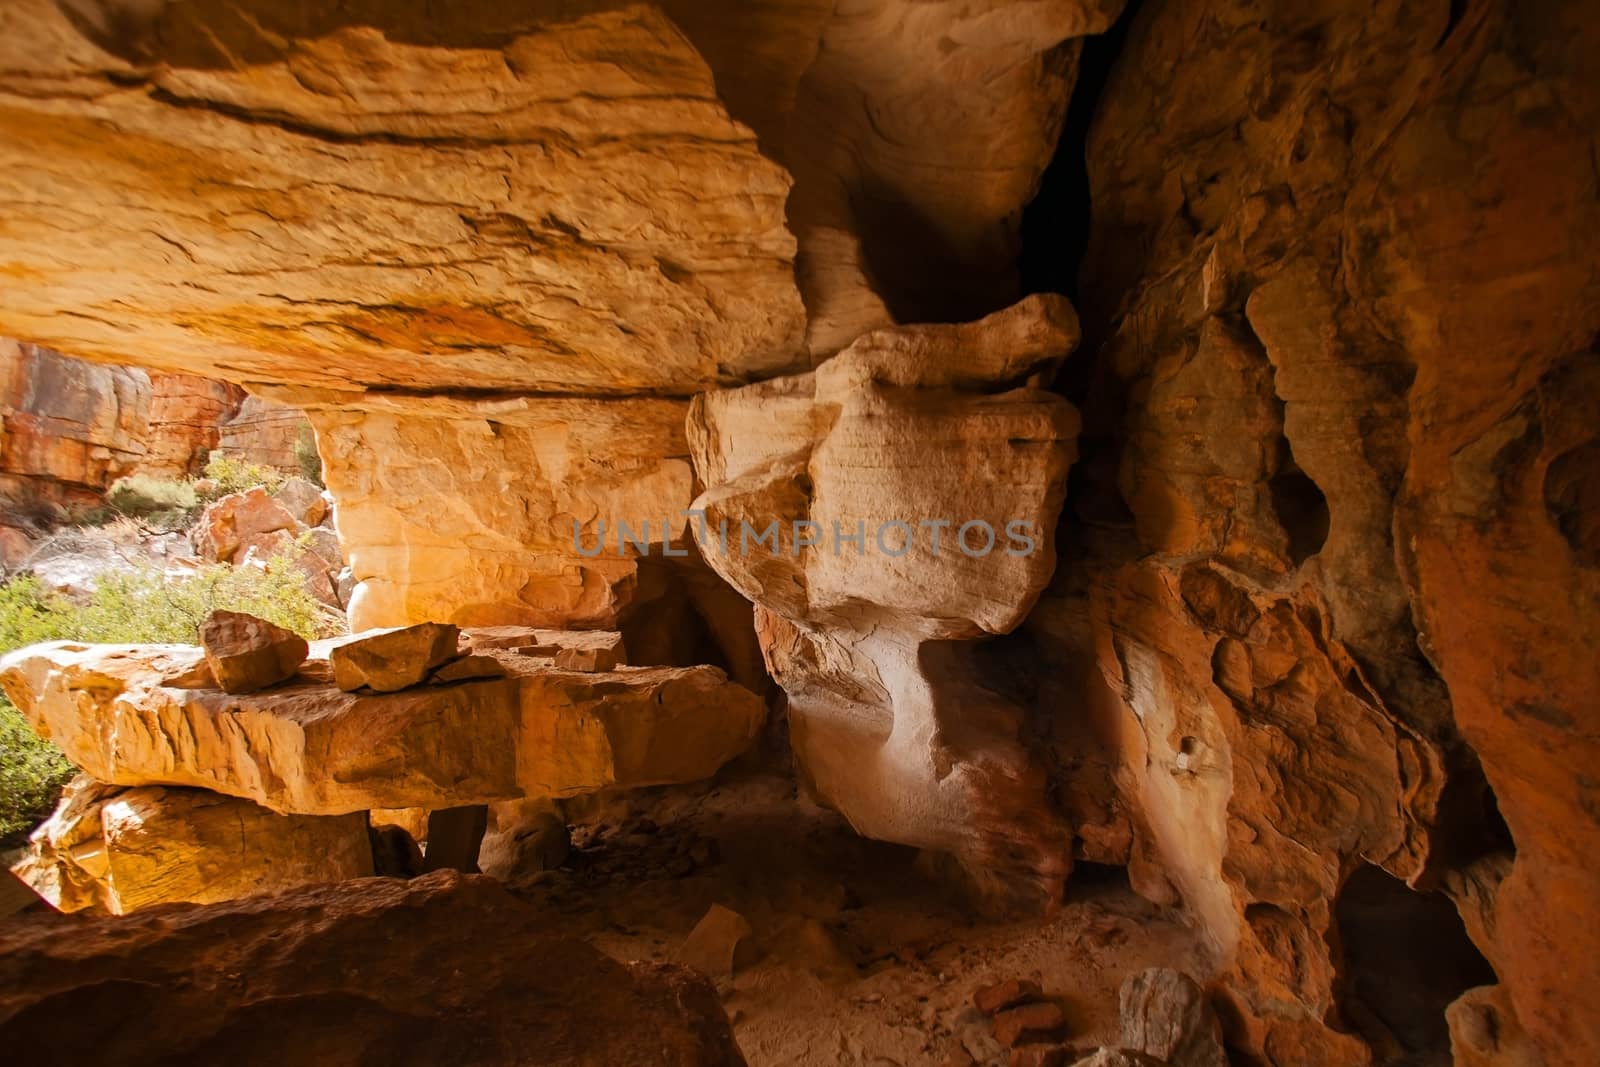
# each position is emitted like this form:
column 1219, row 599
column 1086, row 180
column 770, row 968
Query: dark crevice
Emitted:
column 1458, row 10
column 1301, row 507
column 1055, row 224
column 1406, row 956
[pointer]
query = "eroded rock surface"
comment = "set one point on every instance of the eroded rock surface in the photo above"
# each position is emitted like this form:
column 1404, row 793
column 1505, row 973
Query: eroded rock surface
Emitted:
column 900, row 442
column 609, row 228
column 329, row 975
column 245, row 653
column 119, row 850
column 132, row 715
column 1343, row 326
column 69, row 428
column 485, row 513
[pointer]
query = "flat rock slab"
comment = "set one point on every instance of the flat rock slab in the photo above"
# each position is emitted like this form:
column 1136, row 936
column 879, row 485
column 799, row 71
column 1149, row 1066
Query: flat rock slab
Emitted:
column 146, row 715
column 372, row 971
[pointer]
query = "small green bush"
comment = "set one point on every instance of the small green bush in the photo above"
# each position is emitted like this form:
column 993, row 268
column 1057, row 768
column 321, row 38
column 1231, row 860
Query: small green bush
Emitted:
column 32, row 772
column 142, row 607
column 166, row 503
column 236, row 475
column 146, row 607
column 305, row 450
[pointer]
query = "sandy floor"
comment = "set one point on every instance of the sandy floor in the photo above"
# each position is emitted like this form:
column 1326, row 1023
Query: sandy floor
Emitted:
column 858, row 958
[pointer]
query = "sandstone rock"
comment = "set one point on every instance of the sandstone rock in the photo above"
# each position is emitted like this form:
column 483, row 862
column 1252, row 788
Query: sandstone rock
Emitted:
column 467, row 669
column 266, row 433
column 720, row 943
column 186, row 414
column 250, row 983
column 888, row 721
column 246, row 653
column 139, row 715
column 1038, row 1021
column 1166, row 1016
column 69, row 429
column 525, row 837
column 1040, row 1056
column 414, row 821
column 395, row 853
column 539, row 489
column 916, row 135
column 302, row 499
column 232, row 524
column 324, row 544
column 1330, row 393
column 547, row 644
column 15, row 547
column 392, row 660
column 1484, row 1031
column 1118, row 1057
column 120, row 850
column 1006, row 994
column 610, row 227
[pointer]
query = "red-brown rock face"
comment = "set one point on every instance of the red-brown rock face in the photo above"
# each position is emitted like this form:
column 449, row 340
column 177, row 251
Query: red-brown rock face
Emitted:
column 68, row 428
column 329, row 974
column 1346, row 384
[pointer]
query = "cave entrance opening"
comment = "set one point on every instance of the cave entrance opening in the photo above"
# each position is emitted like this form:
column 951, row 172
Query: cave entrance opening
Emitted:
column 1406, row 957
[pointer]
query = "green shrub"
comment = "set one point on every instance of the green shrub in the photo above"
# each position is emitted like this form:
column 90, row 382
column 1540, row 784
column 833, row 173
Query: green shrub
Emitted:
column 236, row 475
column 146, row 607
column 142, row 607
column 32, row 772
column 164, row 502
column 29, row 613
column 305, row 450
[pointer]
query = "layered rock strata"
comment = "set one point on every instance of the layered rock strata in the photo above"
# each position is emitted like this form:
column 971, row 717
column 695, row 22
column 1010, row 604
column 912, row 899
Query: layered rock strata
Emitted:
column 131, row 715
column 535, row 202
column 68, row 428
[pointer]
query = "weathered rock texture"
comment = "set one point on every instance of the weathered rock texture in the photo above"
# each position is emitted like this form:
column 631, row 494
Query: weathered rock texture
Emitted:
column 474, row 512
column 391, row 198
column 273, row 435
column 118, row 850
column 1342, row 316
column 1328, row 594
column 245, row 653
column 68, row 428
column 131, row 715
column 906, row 429
column 330, row 975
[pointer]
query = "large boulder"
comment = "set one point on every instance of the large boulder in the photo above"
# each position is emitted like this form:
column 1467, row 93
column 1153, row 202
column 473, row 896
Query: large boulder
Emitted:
column 132, row 715
column 303, row 500
column 346, row 975
column 112, row 849
column 246, row 653
column 391, row 660
column 232, row 525
column 1165, row 1014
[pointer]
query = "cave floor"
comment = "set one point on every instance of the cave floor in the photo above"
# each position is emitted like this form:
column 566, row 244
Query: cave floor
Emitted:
column 856, row 957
